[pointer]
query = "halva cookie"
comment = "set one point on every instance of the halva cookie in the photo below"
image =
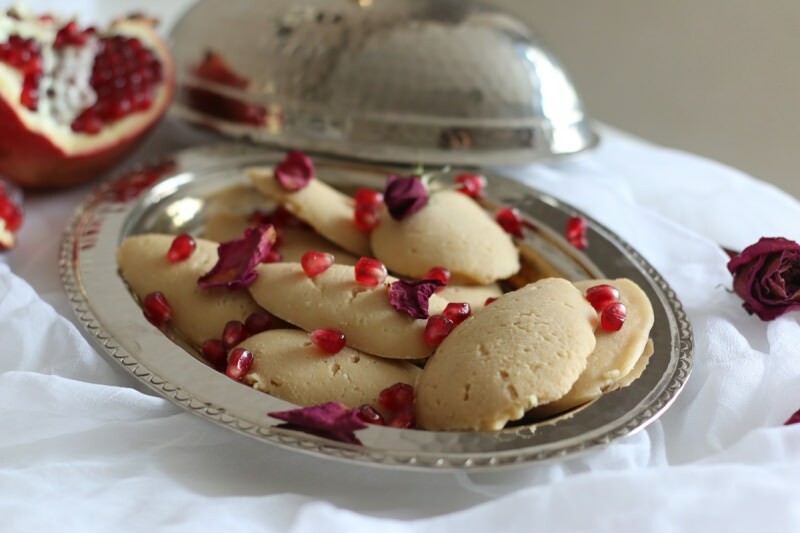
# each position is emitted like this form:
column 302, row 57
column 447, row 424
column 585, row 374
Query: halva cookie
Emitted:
column 333, row 299
column 616, row 352
column 200, row 314
column 474, row 295
column 525, row 349
column 451, row 231
column 289, row 366
column 324, row 208
column 638, row 368
column 295, row 242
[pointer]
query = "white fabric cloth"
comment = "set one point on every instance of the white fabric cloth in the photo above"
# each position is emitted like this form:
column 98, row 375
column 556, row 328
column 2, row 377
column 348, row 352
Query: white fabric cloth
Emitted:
column 83, row 448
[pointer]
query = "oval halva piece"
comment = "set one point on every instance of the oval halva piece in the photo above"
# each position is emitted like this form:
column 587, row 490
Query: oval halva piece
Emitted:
column 526, row 348
column 324, row 208
column 200, row 314
column 286, row 364
column 295, row 242
column 333, row 299
column 451, row 231
column 615, row 353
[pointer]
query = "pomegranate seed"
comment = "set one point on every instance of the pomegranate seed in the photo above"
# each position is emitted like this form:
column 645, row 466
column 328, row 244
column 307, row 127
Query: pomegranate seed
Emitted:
column 368, row 198
column 273, row 256
column 366, row 218
column 437, row 329
column 396, row 397
column 370, row 272
column 215, row 353
column 601, row 295
column 233, row 333
column 471, row 184
column 440, row 273
column 11, row 213
column 457, row 312
column 510, row 220
column 403, row 420
column 575, row 232
column 240, row 361
column 157, row 309
column 613, row 316
column 328, row 340
column 182, row 248
column 489, row 300
column 370, row 415
column 315, row 263
column 257, row 322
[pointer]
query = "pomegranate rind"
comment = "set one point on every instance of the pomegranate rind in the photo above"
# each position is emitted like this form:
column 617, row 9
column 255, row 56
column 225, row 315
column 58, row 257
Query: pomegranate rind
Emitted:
column 7, row 238
column 36, row 154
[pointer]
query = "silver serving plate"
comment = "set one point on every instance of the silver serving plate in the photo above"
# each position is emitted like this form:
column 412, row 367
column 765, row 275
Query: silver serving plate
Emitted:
column 411, row 81
column 199, row 181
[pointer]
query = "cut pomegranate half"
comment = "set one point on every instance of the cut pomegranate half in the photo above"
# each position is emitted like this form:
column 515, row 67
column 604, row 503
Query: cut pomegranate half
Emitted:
column 74, row 100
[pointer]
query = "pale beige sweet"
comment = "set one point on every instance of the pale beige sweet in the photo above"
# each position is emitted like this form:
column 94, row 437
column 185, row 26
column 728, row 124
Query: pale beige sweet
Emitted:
column 451, row 231
column 616, row 352
column 295, row 242
column 525, row 349
column 287, row 365
column 324, row 208
column 638, row 368
column 474, row 295
column 333, row 299
column 200, row 314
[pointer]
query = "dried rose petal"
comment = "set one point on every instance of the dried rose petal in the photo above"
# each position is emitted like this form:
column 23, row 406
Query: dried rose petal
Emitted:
column 766, row 275
column 295, row 172
column 412, row 297
column 239, row 258
column 331, row 420
column 404, row 196
column 794, row 419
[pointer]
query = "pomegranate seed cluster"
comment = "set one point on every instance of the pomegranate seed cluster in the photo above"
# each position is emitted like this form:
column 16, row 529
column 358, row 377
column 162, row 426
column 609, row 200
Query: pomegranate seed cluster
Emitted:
column 605, row 299
column 25, row 55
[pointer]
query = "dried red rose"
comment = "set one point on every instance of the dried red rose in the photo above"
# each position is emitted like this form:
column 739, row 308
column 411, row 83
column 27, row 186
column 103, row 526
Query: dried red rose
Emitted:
column 766, row 275
column 404, row 196
column 794, row 419
column 412, row 297
column 295, row 172
column 239, row 258
column 330, row 420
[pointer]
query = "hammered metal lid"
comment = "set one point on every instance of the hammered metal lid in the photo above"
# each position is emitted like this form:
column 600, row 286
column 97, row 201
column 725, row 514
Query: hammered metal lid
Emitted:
column 411, row 81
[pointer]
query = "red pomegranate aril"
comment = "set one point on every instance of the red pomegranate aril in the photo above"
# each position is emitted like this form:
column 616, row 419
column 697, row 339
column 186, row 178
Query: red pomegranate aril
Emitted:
column 600, row 296
column 575, row 232
column 366, row 218
column 438, row 273
column 181, row 249
column 215, row 353
column 370, row 272
column 510, row 220
column 613, row 316
column 457, row 312
column 157, row 309
column 489, row 300
column 471, row 184
column 10, row 212
column 233, row 333
column 257, row 322
column 396, row 397
column 328, row 340
column 437, row 329
column 240, row 361
column 368, row 198
column 370, row 415
column 403, row 420
column 315, row 263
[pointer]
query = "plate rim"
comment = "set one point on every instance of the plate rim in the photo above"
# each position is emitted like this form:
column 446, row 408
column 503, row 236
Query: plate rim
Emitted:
column 93, row 327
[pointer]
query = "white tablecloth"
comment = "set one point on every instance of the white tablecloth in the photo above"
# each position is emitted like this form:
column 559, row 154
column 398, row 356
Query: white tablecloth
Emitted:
column 82, row 448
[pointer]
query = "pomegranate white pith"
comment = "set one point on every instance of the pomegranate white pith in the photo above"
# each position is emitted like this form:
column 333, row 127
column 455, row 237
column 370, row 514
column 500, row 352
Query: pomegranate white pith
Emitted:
column 49, row 139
